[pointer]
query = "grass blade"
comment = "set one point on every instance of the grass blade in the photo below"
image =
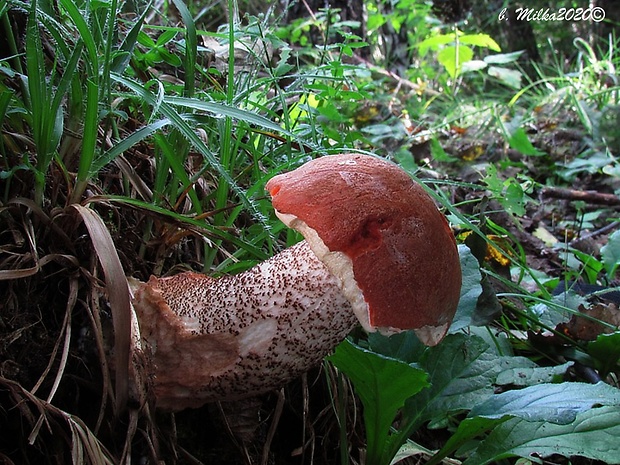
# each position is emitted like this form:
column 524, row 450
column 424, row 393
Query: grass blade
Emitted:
column 89, row 138
column 191, row 47
column 125, row 144
column 188, row 132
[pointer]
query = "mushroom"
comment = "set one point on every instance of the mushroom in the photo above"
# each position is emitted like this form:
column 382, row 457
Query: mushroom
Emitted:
column 376, row 251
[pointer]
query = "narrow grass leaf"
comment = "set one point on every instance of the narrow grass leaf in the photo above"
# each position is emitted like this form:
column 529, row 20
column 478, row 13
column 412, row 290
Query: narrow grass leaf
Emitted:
column 63, row 37
column 189, row 133
column 38, row 95
column 123, row 55
column 89, row 137
column 191, row 46
column 221, row 109
column 519, row 141
column 125, row 144
column 175, row 162
column 186, row 221
column 79, row 19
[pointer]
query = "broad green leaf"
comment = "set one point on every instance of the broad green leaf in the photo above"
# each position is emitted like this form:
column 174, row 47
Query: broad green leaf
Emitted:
column 593, row 434
column 462, row 371
column 453, row 57
column 404, row 346
column 519, row 141
column 610, row 254
column 606, row 352
column 473, row 65
column 167, row 35
column 557, row 403
column 530, row 376
column 468, row 429
column 470, row 290
column 144, row 39
column 503, row 58
column 434, row 42
column 382, row 384
column 514, row 198
column 451, row 366
column 439, row 153
column 510, row 77
column 480, row 40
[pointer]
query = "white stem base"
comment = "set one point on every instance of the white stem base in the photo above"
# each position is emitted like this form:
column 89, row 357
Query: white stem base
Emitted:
column 237, row 336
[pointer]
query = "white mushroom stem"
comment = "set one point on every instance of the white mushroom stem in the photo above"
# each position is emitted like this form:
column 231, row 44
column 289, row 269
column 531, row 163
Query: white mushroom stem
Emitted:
column 212, row 339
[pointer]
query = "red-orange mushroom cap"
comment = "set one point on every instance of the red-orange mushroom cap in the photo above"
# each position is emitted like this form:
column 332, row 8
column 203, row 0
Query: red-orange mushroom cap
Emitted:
column 381, row 234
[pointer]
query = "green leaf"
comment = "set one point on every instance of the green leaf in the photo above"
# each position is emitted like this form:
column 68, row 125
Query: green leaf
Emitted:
column 610, row 254
column 145, row 39
column 462, row 371
column 79, row 19
column 510, row 77
column 166, row 36
column 606, row 351
column 191, row 45
column 125, row 144
column 480, row 40
column 503, row 58
column 404, row 346
column 514, row 197
column 473, row 65
column 187, row 131
column 439, row 153
column 221, row 109
column 470, row 290
column 468, row 429
column 383, row 384
column 125, row 51
column 524, row 376
column 519, row 141
column 434, row 42
column 593, row 434
column 89, row 142
column 459, row 375
column 453, row 57
column 556, row 403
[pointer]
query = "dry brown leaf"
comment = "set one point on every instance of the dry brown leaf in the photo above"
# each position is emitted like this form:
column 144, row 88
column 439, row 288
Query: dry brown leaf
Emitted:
column 118, row 296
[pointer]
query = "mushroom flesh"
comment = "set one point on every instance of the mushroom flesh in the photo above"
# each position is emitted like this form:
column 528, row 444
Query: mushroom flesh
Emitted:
column 376, row 251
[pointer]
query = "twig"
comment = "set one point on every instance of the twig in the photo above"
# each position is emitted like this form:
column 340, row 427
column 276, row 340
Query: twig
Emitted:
column 401, row 81
column 586, row 196
column 602, row 230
